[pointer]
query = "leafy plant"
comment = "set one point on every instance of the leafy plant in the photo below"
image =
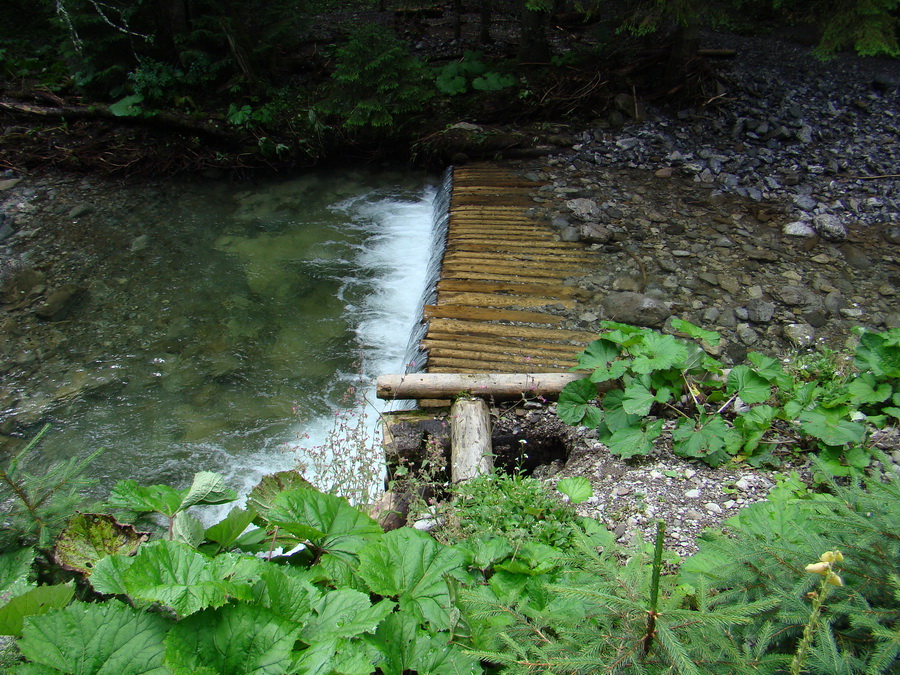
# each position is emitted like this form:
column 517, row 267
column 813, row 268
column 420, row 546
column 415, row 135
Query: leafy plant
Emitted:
column 457, row 76
column 39, row 502
column 718, row 415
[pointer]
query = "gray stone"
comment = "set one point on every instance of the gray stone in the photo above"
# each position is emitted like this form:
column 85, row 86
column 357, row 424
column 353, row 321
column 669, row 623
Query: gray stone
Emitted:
column 796, row 295
column 805, row 202
column 80, row 210
column 636, row 308
column 593, row 233
column 60, row 303
column 9, row 183
column 891, row 234
column 799, row 229
column 856, row 257
column 729, row 283
column 834, row 301
column 746, row 334
column 583, row 208
column 760, row 311
column 692, row 494
column 569, row 234
column 830, row 227
column 800, row 334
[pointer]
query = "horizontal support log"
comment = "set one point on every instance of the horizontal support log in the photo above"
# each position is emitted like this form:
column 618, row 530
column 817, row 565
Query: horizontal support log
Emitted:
column 447, row 385
column 511, row 287
column 488, row 314
column 497, row 300
column 457, row 327
column 500, row 344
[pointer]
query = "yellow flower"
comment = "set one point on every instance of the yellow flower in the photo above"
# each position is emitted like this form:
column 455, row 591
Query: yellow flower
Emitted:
column 832, row 557
column 819, row 568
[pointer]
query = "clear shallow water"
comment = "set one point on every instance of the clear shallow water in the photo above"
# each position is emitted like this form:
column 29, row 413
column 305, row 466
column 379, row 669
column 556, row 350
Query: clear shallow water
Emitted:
column 228, row 334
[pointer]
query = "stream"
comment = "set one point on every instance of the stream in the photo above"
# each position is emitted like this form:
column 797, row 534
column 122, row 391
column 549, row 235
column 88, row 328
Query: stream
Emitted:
column 217, row 326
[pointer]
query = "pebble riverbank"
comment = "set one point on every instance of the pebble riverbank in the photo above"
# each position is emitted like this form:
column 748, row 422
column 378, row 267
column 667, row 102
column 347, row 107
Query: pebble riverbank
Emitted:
column 771, row 215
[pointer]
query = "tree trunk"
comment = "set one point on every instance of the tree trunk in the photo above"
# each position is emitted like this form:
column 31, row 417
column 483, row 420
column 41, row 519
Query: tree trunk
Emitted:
column 684, row 49
column 470, row 440
column 484, row 27
column 533, row 45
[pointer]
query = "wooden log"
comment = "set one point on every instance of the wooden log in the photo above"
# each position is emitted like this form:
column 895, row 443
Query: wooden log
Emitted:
column 470, row 440
column 469, row 313
column 498, row 386
column 544, row 290
column 492, row 300
column 458, row 327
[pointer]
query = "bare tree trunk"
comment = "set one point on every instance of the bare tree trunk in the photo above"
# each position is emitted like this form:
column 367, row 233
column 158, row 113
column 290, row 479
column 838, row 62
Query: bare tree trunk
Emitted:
column 533, row 45
column 484, row 28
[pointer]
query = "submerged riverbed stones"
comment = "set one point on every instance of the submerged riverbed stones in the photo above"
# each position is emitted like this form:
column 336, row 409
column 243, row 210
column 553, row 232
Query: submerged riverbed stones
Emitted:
column 635, row 308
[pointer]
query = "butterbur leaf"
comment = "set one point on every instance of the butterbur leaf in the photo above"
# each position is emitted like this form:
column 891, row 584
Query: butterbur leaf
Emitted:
column 270, row 486
column 35, row 602
column 486, row 550
column 750, row 387
column 411, row 566
column 238, row 639
column 406, row 648
column 91, row 536
column 613, row 371
column 695, row 332
column 704, row 439
column 108, row 575
column 207, row 488
column 865, row 389
column 289, row 592
column 228, row 530
column 831, row 426
column 770, row 370
column 577, row 489
column 880, row 353
column 327, row 521
column 630, row 441
column 187, row 529
column 574, row 401
column 614, row 415
column 179, row 577
column 597, row 354
column 343, row 614
column 658, row 352
column 97, row 638
column 15, row 568
column 638, row 399
column 127, row 494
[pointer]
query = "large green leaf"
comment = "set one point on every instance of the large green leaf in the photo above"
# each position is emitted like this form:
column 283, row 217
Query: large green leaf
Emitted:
column 187, row 529
column 659, row 352
column 91, row 536
column 405, row 647
column 577, row 489
column 703, row 439
column 227, row 531
column 750, row 387
column 831, row 425
column 770, row 370
column 37, row 601
column 880, row 353
column 270, row 486
column 638, row 399
column 127, row 494
column 177, row 576
column 327, row 521
column 208, row 488
column 344, row 613
column 238, row 639
column 574, row 401
column 338, row 656
column 630, row 441
column 614, row 415
column 711, row 337
column 411, row 566
column 97, row 639
column 597, row 354
column 15, row 568
column 289, row 592
column 866, row 389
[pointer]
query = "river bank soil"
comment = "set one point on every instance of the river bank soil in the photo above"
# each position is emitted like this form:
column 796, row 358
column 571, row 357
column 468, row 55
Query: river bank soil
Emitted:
column 770, row 214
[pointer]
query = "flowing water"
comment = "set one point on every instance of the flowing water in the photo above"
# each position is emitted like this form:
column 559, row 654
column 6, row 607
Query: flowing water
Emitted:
column 229, row 334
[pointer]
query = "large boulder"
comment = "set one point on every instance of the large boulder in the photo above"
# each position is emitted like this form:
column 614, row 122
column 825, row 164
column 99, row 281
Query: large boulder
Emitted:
column 636, row 308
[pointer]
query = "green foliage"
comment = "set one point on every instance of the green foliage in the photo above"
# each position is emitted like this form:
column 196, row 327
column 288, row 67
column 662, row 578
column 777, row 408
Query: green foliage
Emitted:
column 817, row 403
column 40, row 502
column 457, row 76
column 376, row 82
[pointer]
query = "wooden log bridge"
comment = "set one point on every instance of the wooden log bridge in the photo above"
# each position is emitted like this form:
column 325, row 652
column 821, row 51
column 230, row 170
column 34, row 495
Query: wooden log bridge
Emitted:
column 502, row 274
column 492, row 331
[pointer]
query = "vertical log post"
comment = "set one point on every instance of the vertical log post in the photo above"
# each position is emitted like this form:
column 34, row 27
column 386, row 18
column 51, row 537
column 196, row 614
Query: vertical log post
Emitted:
column 470, row 440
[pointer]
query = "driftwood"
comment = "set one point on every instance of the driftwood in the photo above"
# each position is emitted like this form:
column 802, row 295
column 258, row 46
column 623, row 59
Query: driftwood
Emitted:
column 498, row 386
column 100, row 112
column 470, row 440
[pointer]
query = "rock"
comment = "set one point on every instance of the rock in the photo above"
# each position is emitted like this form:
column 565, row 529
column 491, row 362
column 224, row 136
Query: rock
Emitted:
column 60, row 303
column 665, row 172
column 805, row 202
column 796, row 295
column 593, row 233
column 729, row 284
column 80, row 210
column 891, row 234
column 799, row 229
column 856, row 257
column 746, row 334
column 9, row 183
column 17, row 282
column 800, row 334
column 830, row 227
column 569, row 234
column 760, row 311
column 636, row 308
column 630, row 106
column 584, row 208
